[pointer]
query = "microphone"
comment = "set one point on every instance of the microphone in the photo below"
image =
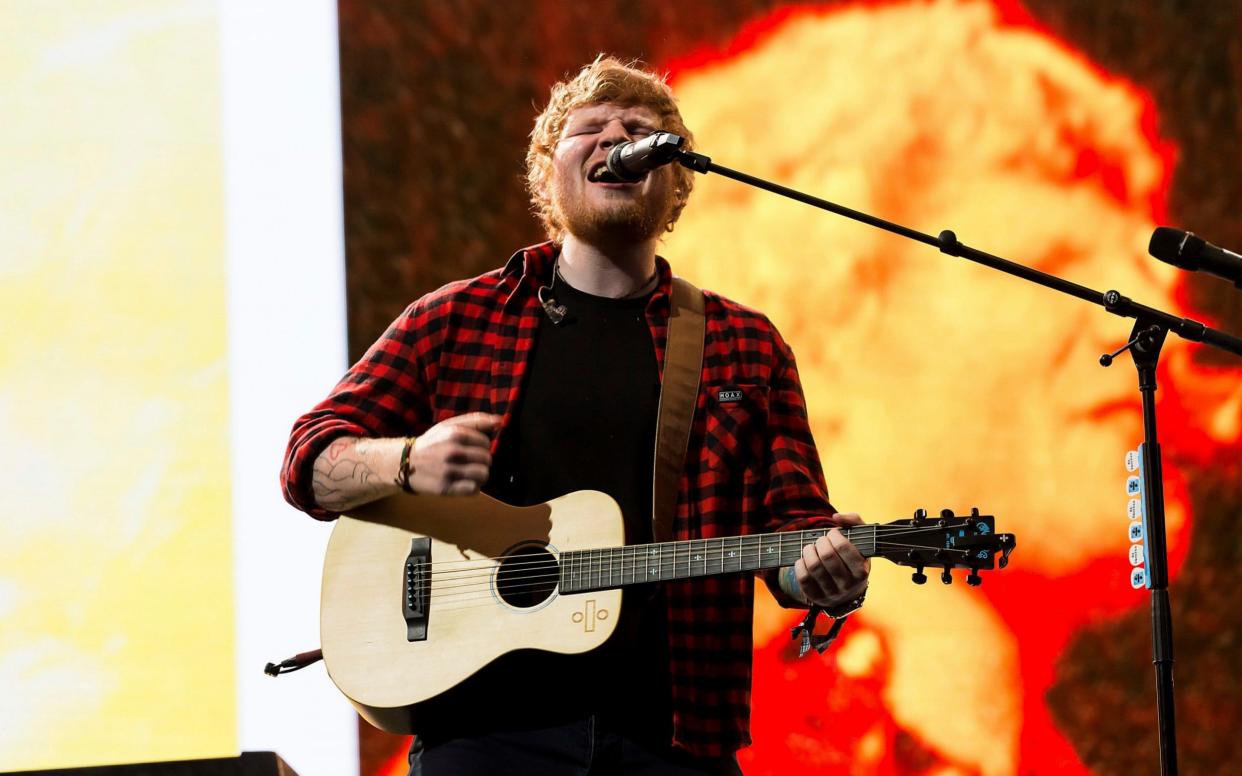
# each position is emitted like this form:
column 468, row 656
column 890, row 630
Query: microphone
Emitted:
column 1189, row 251
column 632, row 160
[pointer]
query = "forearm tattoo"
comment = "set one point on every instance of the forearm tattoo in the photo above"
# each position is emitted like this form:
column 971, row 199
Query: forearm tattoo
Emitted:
column 788, row 581
column 344, row 477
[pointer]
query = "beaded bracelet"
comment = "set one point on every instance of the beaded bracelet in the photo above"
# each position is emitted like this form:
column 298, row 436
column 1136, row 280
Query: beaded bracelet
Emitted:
column 403, row 474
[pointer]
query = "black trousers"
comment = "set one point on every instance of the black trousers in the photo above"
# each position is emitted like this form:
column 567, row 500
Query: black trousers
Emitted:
column 581, row 748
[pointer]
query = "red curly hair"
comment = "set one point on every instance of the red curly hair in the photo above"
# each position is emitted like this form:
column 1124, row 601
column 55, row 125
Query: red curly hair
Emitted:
column 607, row 79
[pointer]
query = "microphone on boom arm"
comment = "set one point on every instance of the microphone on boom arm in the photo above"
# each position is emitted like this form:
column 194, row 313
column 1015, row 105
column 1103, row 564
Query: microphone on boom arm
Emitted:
column 1189, row 251
column 632, row 160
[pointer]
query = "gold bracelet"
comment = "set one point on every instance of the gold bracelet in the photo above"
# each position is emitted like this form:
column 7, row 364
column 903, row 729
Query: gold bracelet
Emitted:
column 403, row 473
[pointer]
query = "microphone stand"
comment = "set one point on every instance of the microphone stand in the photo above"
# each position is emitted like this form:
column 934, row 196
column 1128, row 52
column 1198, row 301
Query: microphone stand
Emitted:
column 1151, row 327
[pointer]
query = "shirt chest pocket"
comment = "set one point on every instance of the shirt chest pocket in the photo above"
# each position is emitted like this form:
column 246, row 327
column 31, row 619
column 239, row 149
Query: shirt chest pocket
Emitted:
column 734, row 430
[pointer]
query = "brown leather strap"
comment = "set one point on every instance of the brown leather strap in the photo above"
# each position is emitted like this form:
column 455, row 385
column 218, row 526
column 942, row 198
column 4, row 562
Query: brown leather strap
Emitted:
column 679, row 390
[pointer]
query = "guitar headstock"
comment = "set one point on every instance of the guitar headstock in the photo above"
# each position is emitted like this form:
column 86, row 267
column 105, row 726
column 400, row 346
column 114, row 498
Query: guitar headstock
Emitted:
column 947, row 542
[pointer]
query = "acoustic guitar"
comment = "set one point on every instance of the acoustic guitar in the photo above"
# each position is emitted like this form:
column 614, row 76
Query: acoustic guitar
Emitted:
column 420, row 592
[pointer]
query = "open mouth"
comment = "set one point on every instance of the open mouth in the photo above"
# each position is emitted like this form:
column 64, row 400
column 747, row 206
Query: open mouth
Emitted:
column 600, row 173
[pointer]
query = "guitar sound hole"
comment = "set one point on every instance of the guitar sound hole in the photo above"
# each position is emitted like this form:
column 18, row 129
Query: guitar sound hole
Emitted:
column 527, row 576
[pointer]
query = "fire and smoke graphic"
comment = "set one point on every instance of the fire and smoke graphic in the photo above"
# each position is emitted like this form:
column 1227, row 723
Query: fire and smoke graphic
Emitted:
column 932, row 382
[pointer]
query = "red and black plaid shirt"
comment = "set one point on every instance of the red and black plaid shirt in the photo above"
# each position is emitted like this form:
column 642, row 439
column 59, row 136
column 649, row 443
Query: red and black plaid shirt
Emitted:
column 751, row 468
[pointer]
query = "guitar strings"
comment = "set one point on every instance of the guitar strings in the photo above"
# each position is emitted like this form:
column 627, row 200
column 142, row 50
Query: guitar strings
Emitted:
column 552, row 565
column 453, row 601
column 639, row 551
column 533, row 579
column 888, row 530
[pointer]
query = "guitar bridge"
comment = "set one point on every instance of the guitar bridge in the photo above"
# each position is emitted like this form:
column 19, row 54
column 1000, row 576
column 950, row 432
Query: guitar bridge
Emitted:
column 416, row 590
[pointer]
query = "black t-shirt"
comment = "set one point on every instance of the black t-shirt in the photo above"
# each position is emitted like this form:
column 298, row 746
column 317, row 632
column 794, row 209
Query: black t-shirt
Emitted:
column 586, row 420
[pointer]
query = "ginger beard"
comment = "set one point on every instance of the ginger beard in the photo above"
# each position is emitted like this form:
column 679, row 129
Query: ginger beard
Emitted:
column 612, row 216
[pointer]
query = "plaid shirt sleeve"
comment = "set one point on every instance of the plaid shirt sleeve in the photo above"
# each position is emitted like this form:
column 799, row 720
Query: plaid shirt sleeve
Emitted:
column 385, row 394
column 797, row 496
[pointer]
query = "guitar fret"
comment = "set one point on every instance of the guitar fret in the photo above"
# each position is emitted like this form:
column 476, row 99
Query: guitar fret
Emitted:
column 613, row 567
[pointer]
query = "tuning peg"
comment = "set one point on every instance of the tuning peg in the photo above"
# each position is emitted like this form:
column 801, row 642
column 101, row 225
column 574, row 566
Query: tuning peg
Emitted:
column 974, row 580
column 919, row 515
column 918, row 577
column 974, row 511
column 1008, row 545
column 945, row 576
column 946, row 513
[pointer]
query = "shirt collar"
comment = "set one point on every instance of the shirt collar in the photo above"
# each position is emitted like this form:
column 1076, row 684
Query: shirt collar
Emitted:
column 531, row 267
column 533, row 262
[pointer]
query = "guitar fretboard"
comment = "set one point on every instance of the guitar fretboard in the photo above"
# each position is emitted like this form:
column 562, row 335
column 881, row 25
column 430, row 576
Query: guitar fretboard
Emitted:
column 612, row 567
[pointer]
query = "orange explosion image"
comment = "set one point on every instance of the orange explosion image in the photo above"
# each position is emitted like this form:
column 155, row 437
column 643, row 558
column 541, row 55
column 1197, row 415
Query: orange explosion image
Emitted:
column 933, row 382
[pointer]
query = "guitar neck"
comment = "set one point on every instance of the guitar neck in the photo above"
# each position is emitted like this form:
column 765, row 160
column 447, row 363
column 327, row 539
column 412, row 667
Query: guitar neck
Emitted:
column 612, row 567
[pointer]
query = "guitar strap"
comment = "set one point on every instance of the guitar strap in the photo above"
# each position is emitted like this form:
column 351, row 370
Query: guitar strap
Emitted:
column 679, row 391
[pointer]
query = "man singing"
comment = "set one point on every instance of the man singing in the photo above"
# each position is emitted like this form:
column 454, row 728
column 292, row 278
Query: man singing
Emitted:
column 543, row 377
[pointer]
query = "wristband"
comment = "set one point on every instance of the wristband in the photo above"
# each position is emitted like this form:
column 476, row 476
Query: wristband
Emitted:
column 847, row 608
column 404, row 472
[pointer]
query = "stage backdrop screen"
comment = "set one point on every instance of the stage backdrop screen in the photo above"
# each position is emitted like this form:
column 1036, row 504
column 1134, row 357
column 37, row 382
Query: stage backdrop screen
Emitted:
column 170, row 276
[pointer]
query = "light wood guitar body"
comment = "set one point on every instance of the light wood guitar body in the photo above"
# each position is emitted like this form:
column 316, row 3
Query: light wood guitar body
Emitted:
column 420, row 592
column 364, row 633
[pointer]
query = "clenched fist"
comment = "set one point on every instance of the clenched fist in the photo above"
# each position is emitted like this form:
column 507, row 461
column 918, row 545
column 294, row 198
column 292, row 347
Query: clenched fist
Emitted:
column 454, row 457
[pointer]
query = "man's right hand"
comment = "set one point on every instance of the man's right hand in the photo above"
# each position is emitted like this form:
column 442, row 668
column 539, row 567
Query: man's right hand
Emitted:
column 454, row 457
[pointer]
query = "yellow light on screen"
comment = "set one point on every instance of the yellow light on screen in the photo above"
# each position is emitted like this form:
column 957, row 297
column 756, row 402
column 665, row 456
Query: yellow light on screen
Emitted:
column 115, row 577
